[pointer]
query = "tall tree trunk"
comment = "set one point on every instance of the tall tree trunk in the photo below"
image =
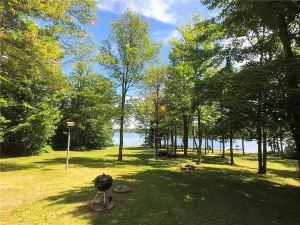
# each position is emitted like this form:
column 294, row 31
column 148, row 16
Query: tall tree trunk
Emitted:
column 275, row 146
column 157, row 118
column 264, row 160
column 212, row 145
column 243, row 146
column 231, row 148
column 281, row 144
column 259, row 150
column 185, row 134
column 175, row 141
column 293, row 82
column 168, row 137
column 199, row 149
column 120, row 156
column 271, row 145
column 223, row 143
column 145, row 137
column 172, row 140
column 278, row 148
column 193, row 133
column 205, row 140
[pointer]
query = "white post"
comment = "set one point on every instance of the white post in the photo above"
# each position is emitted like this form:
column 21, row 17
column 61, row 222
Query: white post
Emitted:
column 69, row 137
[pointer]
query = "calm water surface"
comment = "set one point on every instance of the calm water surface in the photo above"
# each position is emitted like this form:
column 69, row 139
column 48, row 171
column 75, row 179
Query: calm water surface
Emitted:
column 134, row 139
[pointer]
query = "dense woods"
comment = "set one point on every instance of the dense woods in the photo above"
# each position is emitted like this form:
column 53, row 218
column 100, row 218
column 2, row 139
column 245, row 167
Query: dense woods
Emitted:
column 232, row 76
column 37, row 96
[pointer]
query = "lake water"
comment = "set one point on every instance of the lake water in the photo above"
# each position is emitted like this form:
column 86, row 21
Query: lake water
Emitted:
column 134, row 139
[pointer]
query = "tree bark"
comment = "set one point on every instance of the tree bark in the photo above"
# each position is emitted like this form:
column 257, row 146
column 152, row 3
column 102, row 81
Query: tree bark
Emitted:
column 223, row 143
column 205, row 140
column 193, row 133
column 259, row 150
column 278, row 148
column 281, row 144
column 243, row 146
column 168, row 137
column 199, row 149
column 157, row 118
column 172, row 140
column 231, row 149
column 212, row 145
column 120, row 156
column 185, row 134
column 264, row 160
column 175, row 141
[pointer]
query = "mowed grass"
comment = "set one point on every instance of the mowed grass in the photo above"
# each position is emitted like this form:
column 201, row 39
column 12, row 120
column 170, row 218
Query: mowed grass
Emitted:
column 37, row 190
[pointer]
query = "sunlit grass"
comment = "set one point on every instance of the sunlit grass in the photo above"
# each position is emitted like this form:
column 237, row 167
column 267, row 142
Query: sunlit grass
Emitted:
column 38, row 190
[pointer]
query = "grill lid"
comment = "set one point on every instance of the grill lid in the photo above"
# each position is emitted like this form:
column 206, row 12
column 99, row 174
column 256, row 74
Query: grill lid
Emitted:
column 103, row 182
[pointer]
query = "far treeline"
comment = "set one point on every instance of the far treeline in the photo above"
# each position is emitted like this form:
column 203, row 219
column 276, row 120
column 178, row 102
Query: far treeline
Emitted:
column 233, row 76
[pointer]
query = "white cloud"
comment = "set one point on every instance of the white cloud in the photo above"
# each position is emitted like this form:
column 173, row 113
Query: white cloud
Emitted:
column 174, row 34
column 156, row 9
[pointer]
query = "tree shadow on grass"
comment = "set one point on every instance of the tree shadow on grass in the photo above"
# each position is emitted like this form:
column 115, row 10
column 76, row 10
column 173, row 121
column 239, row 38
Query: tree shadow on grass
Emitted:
column 284, row 173
column 6, row 167
column 273, row 159
column 209, row 196
column 129, row 160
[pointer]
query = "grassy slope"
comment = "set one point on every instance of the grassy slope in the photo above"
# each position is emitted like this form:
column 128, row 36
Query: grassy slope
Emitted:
column 37, row 190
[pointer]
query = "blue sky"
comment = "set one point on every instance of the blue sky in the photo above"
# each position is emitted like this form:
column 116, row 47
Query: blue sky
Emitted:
column 163, row 16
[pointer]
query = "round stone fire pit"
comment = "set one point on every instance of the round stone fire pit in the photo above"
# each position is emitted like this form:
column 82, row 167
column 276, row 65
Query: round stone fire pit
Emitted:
column 188, row 167
column 122, row 189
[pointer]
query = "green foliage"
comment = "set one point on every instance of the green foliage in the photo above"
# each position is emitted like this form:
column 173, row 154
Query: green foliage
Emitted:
column 290, row 150
column 46, row 149
column 91, row 107
column 32, row 82
column 134, row 49
column 124, row 55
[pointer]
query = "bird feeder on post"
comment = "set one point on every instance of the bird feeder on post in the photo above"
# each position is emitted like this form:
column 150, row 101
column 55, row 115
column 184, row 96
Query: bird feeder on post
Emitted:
column 69, row 125
column 3, row 57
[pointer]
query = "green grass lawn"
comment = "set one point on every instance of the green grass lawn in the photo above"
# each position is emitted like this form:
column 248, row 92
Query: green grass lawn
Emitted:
column 37, row 190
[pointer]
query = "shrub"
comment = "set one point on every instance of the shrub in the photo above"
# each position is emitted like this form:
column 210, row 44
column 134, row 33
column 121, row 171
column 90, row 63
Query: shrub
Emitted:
column 46, row 149
column 290, row 150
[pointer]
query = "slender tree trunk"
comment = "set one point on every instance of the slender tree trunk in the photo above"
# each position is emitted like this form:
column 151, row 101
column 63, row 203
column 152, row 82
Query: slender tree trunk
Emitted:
column 259, row 150
column 157, row 118
column 168, row 137
column 212, row 145
column 271, row 145
column 199, row 149
column 120, row 156
column 193, row 133
column 145, row 137
column 205, row 146
column 231, row 148
column 185, row 135
column 223, row 143
column 275, row 146
column 220, row 142
column 175, row 141
column 207, row 142
column 278, row 148
column 281, row 143
column 264, row 160
column 243, row 146
column 172, row 140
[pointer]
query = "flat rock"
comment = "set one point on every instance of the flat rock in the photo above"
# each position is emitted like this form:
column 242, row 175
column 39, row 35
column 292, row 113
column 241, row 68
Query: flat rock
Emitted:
column 121, row 189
